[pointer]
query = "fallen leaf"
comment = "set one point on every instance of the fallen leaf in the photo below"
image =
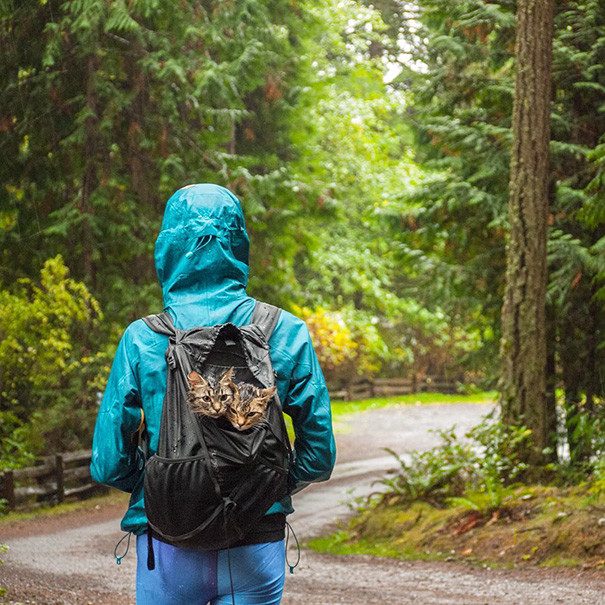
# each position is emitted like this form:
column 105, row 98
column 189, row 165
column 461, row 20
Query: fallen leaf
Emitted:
column 471, row 521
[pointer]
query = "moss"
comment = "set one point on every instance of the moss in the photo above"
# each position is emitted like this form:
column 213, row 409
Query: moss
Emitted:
column 558, row 561
column 540, row 525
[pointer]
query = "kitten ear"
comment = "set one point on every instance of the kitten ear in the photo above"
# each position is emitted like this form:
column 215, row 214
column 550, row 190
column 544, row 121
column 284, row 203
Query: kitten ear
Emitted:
column 266, row 394
column 227, row 377
column 196, row 379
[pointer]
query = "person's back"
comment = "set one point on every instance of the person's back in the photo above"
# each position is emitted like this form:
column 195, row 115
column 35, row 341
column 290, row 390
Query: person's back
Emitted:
column 201, row 258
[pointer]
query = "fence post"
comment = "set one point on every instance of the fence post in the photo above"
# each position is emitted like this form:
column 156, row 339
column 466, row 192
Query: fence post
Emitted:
column 7, row 489
column 60, row 495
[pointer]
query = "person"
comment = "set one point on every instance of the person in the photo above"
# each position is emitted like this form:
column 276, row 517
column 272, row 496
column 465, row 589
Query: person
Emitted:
column 201, row 259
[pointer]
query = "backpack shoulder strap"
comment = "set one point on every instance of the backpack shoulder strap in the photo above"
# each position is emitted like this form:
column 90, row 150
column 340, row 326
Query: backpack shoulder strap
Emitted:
column 160, row 323
column 265, row 316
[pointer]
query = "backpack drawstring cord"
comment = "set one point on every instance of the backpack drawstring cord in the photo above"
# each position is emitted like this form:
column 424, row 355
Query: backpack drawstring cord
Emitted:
column 230, row 576
column 115, row 550
column 150, row 555
column 228, row 505
column 290, row 566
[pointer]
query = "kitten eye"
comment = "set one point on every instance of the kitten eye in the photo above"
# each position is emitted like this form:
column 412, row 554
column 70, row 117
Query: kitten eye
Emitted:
column 206, row 398
column 224, row 397
column 250, row 414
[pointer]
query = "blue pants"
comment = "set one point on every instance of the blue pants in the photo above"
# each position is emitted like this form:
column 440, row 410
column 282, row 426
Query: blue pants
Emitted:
column 185, row 576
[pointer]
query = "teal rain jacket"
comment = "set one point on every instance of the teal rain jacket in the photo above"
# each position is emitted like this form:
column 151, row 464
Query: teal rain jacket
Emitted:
column 201, row 258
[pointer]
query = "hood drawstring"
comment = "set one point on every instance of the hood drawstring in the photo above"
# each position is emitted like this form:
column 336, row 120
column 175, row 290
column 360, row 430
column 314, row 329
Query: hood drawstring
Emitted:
column 120, row 557
column 290, row 566
column 201, row 242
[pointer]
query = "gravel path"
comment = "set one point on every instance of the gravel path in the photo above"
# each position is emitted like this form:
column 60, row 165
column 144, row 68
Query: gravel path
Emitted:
column 69, row 560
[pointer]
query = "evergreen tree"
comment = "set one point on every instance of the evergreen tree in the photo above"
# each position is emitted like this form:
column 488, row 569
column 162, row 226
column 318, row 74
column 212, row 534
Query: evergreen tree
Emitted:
column 523, row 380
column 457, row 78
column 108, row 107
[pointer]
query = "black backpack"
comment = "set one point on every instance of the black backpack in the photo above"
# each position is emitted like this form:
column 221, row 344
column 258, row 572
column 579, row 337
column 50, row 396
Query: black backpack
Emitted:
column 209, row 482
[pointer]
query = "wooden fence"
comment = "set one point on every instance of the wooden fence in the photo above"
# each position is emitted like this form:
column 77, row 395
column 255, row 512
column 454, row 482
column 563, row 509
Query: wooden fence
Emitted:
column 67, row 476
column 384, row 387
column 54, row 479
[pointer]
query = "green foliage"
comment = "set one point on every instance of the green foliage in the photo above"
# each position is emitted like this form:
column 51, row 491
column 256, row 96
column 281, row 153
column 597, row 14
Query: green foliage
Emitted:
column 374, row 176
column 498, row 448
column 584, row 428
column 354, row 144
column 458, row 85
column 597, row 487
column 289, row 108
column 478, row 470
column 491, row 499
column 348, row 342
column 458, row 79
column 431, row 476
column 50, row 373
column 3, row 549
column 15, row 443
column 332, row 339
column 127, row 102
column 473, row 471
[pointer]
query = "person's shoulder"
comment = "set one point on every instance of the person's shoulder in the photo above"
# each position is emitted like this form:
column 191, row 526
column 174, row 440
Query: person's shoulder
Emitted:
column 292, row 348
column 289, row 321
column 140, row 336
column 135, row 329
column 291, row 336
column 290, row 331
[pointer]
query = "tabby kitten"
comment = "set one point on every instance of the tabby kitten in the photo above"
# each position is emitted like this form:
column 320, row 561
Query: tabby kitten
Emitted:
column 212, row 401
column 249, row 408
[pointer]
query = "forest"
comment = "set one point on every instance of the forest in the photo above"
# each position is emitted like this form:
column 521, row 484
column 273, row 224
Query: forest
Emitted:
column 370, row 144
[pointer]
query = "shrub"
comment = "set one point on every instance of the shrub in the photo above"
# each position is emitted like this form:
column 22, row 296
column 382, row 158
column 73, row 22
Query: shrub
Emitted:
column 473, row 471
column 347, row 342
column 48, row 377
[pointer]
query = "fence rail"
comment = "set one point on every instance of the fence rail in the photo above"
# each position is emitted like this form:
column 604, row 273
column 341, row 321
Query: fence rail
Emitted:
column 63, row 476
column 54, row 479
column 384, row 387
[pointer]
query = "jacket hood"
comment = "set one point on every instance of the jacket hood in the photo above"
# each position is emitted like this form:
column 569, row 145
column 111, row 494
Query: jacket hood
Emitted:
column 202, row 248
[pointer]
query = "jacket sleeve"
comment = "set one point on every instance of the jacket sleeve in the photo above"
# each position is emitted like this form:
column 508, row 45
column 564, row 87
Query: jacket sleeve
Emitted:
column 115, row 456
column 308, row 404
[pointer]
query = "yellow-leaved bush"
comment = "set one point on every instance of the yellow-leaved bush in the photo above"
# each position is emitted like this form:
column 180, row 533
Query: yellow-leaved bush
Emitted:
column 347, row 346
column 331, row 337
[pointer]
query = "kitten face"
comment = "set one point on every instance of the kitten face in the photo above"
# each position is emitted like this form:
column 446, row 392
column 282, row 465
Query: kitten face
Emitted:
column 251, row 406
column 212, row 401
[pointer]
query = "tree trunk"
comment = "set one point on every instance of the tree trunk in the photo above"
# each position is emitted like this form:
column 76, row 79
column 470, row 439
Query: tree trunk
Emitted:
column 523, row 347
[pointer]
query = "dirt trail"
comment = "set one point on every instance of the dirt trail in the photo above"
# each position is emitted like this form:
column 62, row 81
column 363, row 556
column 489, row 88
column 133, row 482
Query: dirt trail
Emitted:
column 70, row 560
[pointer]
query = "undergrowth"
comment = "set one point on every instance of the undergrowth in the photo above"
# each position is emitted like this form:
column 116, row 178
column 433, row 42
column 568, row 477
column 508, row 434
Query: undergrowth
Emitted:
column 474, row 471
column 465, row 499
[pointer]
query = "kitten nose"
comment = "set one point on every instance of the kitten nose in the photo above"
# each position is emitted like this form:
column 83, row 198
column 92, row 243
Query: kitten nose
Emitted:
column 217, row 407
